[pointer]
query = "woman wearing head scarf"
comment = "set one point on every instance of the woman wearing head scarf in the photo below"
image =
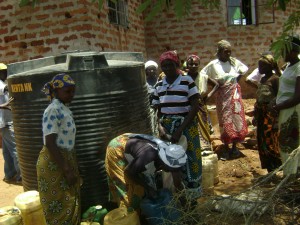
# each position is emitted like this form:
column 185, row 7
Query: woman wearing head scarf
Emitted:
column 193, row 63
column 151, row 78
column 57, row 170
column 177, row 100
column 287, row 102
column 227, row 71
column 264, row 119
column 131, row 163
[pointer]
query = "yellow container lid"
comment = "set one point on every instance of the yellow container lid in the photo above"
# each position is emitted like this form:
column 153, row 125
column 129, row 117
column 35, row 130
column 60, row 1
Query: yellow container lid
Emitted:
column 121, row 216
column 10, row 215
column 28, row 201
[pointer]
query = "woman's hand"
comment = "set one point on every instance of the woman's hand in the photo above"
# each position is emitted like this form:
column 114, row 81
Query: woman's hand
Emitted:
column 163, row 134
column 6, row 105
column 176, row 136
column 69, row 175
column 272, row 107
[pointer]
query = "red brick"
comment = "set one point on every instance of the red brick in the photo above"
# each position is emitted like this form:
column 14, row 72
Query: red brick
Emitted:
column 59, row 14
column 60, row 31
column 3, row 48
column 43, row 50
column 3, row 31
column 27, row 36
column 45, row 33
column 33, row 26
column 52, row 41
column 79, row 11
column 68, row 21
column 5, row 23
column 66, row 4
column 70, row 37
column 8, row 39
column 11, row 53
column 88, row 35
column 15, row 28
column 7, row 7
column 82, row 27
column 42, row 17
column 37, row 43
column 49, row 7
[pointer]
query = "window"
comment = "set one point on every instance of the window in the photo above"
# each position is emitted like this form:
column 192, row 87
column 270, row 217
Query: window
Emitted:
column 241, row 12
column 118, row 12
column 248, row 12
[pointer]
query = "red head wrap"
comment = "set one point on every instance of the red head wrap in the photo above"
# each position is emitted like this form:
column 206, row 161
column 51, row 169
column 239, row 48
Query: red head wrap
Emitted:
column 171, row 55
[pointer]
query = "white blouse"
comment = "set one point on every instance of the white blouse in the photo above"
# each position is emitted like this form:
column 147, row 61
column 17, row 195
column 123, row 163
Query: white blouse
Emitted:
column 58, row 119
column 224, row 72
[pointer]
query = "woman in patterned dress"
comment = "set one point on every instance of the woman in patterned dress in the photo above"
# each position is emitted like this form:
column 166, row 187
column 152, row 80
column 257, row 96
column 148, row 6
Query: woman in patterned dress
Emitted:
column 228, row 71
column 205, row 126
column 177, row 99
column 131, row 163
column 264, row 119
column 57, row 170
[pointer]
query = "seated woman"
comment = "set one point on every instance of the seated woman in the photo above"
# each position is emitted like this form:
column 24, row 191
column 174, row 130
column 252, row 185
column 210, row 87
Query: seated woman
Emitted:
column 131, row 163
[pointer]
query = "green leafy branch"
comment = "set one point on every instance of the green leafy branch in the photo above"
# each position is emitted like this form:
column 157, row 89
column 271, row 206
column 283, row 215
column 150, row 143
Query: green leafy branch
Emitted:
column 282, row 45
column 180, row 7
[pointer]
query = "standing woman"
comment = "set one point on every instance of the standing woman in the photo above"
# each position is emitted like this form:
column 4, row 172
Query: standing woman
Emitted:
column 177, row 100
column 287, row 102
column 57, row 169
column 192, row 64
column 151, row 79
column 227, row 71
column 264, row 119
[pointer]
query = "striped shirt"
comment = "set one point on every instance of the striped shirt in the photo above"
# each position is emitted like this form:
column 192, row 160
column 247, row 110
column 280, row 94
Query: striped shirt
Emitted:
column 173, row 99
column 287, row 82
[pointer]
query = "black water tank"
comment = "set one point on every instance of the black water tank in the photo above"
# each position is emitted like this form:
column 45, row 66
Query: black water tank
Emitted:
column 111, row 99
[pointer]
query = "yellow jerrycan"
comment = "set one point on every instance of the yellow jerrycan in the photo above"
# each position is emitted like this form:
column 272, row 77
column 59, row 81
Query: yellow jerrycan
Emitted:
column 31, row 208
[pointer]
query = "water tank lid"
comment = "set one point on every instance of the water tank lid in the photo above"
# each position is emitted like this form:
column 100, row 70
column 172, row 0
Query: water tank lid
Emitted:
column 85, row 61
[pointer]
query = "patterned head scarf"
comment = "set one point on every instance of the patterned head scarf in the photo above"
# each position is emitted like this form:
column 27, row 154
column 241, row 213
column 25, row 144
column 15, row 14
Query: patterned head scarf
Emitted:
column 58, row 81
column 195, row 58
column 171, row 55
column 173, row 155
column 268, row 59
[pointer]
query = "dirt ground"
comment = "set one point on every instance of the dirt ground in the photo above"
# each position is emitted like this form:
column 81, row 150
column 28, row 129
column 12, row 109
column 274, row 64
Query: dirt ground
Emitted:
column 235, row 176
column 8, row 192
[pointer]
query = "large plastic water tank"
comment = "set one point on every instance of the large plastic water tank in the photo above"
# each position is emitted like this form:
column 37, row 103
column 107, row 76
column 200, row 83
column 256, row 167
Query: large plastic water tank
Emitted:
column 111, row 99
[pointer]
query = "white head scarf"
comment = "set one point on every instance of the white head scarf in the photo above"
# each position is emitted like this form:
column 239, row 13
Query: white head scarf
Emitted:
column 151, row 63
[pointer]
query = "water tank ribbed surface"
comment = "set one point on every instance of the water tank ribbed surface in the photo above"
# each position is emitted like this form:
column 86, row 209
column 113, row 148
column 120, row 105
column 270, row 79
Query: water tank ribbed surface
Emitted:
column 111, row 99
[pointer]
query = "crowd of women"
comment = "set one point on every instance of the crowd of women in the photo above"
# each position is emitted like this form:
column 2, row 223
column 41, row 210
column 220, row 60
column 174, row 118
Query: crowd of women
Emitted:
column 181, row 130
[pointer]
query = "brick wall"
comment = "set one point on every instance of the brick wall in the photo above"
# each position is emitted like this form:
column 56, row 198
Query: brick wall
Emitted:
column 199, row 33
column 54, row 27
